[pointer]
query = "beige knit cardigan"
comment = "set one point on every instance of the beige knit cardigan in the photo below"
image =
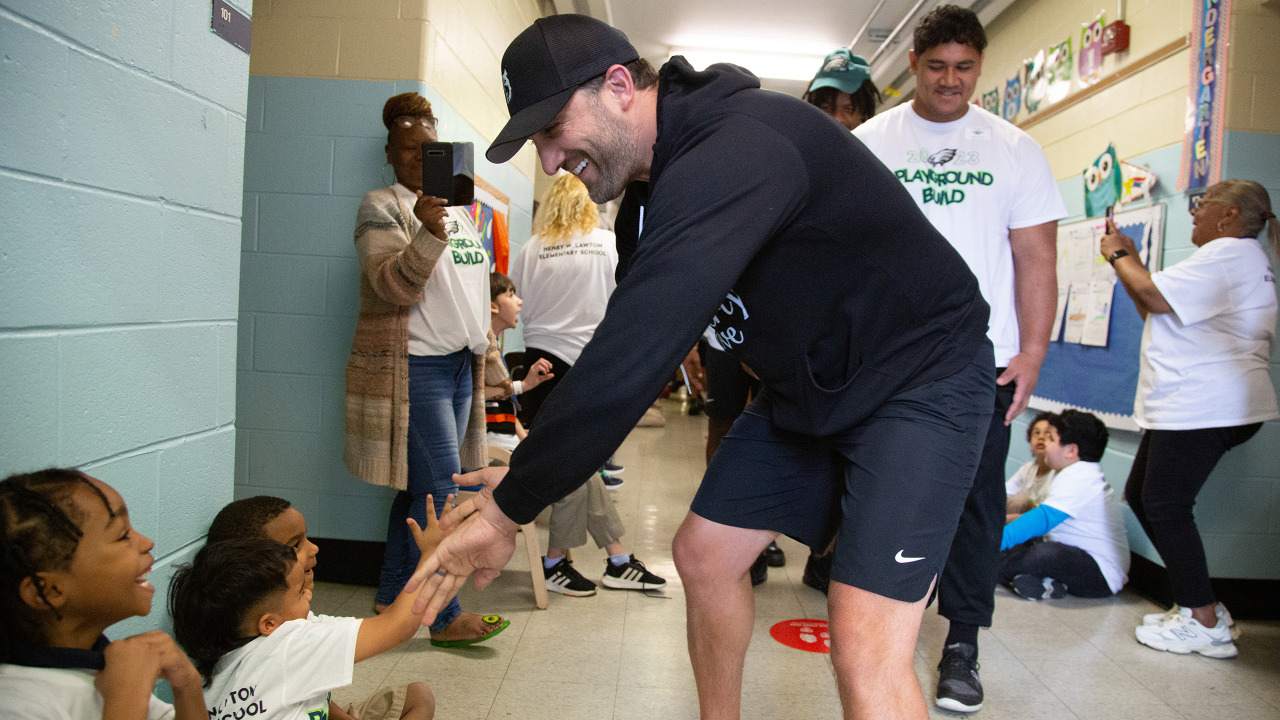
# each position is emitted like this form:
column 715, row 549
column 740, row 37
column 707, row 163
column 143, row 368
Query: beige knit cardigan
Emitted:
column 397, row 256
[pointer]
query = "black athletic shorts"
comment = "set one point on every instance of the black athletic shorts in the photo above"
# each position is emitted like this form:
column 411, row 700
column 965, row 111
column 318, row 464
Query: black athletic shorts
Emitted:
column 728, row 385
column 900, row 478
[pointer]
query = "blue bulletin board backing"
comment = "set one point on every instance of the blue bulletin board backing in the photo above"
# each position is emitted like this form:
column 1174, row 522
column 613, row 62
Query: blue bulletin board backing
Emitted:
column 1103, row 380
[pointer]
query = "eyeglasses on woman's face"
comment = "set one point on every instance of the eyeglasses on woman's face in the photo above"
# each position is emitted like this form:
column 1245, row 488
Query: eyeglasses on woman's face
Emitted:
column 404, row 122
column 1199, row 200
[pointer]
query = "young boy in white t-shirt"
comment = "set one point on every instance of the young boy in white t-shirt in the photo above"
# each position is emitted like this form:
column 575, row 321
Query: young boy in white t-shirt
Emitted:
column 242, row 610
column 1073, row 542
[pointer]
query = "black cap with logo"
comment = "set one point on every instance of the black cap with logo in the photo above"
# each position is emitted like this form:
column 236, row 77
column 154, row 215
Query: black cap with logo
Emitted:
column 544, row 65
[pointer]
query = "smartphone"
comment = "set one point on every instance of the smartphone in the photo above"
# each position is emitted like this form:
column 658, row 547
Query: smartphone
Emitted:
column 448, row 171
column 1111, row 213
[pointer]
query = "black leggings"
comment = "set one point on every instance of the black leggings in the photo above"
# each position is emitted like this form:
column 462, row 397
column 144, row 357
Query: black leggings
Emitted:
column 531, row 401
column 1067, row 564
column 1168, row 471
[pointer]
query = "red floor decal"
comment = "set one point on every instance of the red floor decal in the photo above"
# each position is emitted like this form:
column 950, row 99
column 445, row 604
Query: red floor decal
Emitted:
column 809, row 635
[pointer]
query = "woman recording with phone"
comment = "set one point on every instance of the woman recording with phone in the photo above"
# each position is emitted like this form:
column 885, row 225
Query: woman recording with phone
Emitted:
column 415, row 401
column 1204, row 387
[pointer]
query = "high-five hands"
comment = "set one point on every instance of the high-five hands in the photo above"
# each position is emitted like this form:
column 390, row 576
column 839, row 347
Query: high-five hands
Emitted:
column 478, row 538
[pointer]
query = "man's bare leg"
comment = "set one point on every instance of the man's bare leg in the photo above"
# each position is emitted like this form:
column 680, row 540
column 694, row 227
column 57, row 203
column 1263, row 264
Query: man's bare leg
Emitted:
column 873, row 640
column 713, row 561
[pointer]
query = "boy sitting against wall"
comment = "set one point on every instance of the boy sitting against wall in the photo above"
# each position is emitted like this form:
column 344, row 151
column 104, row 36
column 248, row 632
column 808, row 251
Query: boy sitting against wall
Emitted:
column 1074, row 541
column 589, row 509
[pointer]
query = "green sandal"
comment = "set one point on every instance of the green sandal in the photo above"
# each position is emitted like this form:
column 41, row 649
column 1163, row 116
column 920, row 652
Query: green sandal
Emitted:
column 490, row 619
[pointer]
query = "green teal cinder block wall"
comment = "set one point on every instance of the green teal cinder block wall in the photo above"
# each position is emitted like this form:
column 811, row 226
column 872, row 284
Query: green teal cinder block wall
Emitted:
column 313, row 148
column 121, row 168
column 1238, row 511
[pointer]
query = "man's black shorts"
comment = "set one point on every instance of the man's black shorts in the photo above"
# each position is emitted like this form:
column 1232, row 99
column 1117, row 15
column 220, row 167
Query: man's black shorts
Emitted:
column 901, row 478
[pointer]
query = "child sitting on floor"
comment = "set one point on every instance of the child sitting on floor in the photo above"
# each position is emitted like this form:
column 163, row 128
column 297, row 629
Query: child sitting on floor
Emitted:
column 242, row 610
column 70, row 566
column 1074, row 542
column 1030, row 485
column 587, row 509
column 273, row 518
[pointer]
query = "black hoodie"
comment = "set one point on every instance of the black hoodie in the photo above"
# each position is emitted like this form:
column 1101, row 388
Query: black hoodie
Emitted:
column 770, row 221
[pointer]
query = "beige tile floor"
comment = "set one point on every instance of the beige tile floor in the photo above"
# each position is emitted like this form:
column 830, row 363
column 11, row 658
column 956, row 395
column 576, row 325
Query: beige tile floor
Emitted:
column 622, row 655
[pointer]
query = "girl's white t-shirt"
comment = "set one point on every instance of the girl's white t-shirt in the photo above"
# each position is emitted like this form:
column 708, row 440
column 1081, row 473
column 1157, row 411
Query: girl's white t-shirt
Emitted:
column 32, row 693
column 286, row 675
column 454, row 311
column 565, row 289
column 1025, row 480
column 1206, row 364
column 1095, row 524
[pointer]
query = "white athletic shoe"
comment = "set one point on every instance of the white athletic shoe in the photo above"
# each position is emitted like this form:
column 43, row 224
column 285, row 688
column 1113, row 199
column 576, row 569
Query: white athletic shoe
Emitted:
column 1224, row 616
column 1183, row 634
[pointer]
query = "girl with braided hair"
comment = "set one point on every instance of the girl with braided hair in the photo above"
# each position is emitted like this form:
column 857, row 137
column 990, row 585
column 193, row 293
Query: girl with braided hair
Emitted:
column 71, row 565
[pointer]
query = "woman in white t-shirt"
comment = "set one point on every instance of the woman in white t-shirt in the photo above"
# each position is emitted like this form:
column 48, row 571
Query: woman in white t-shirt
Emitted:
column 1204, row 387
column 565, row 276
column 414, row 415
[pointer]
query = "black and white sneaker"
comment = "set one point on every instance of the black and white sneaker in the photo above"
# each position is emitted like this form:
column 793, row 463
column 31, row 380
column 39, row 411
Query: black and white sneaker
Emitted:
column 564, row 579
column 1034, row 587
column 959, row 688
column 611, row 482
column 774, row 555
column 630, row 575
column 612, row 467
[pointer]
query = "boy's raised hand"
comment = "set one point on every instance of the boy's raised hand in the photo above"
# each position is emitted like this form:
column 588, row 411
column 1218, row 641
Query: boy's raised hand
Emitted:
column 428, row 538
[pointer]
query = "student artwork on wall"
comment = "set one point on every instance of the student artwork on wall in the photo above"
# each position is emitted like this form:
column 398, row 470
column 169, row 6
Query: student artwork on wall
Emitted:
column 1012, row 98
column 1058, row 71
column 1103, row 185
column 490, row 215
column 991, row 101
column 1037, row 85
column 1091, row 51
column 1092, row 363
column 1137, row 183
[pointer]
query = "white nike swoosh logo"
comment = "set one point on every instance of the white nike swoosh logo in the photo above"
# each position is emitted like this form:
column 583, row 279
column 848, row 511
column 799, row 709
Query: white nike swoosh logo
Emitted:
column 902, row 559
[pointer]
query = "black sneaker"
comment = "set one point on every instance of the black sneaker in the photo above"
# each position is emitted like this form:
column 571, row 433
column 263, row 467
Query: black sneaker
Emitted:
column 959, row 688
column 774, row 555
column 564, row 579
column 1033, row 587
column 611, row 482
column 612, row 467
column 817, row 572
column 759, row 570
column 630, row 575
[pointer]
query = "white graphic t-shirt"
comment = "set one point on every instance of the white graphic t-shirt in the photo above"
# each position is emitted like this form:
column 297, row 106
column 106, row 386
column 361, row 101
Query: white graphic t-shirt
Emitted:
column 1095, row 524
column 975, row 179
column 565, row 288
column 1206, row 364
column 454, row 312
column 286, row 675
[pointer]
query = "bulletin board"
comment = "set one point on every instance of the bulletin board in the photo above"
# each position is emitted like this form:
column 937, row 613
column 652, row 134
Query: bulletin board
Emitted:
column 1101, row 379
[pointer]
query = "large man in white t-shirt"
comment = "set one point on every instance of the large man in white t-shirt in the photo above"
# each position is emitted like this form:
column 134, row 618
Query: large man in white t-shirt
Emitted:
column 987, row 187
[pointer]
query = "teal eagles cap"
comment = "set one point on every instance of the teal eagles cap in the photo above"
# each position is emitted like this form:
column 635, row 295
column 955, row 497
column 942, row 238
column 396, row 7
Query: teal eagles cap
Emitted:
column 843, row 71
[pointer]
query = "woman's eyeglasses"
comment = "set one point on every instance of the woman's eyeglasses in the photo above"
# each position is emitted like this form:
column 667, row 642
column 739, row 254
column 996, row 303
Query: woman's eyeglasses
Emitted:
column 404, row 122
column 1199, row 200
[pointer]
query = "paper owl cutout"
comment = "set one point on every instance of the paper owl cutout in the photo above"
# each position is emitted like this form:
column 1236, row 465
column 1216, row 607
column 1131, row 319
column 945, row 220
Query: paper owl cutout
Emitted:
column 1103, row 184
column 1091, row 51
column 1012, row 98
column 991, row 101
column 1037, row 84
column 1058, row 71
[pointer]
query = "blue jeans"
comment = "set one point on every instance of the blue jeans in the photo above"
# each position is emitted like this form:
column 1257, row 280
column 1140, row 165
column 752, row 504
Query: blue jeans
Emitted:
column 439, row 408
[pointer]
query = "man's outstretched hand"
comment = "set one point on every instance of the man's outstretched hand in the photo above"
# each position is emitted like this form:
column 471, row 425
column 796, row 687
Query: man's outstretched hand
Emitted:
column 479, row 539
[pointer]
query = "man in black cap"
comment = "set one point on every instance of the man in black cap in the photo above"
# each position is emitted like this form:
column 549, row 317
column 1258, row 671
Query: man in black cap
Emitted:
column 816, row 269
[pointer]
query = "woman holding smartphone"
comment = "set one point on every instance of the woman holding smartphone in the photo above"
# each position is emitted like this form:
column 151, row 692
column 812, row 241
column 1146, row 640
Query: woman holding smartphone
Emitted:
column 1204, row 387
column 415, row 402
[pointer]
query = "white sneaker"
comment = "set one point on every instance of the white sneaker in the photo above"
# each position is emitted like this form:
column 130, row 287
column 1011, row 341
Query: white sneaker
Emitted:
column 1224, row 617
column 1183, row 634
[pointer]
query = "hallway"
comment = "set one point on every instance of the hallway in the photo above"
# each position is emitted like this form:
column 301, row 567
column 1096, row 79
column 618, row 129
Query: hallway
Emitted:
column 622, row 655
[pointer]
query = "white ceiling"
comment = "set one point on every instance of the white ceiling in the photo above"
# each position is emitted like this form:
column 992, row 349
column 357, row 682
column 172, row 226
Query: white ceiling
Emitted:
column 805, row 28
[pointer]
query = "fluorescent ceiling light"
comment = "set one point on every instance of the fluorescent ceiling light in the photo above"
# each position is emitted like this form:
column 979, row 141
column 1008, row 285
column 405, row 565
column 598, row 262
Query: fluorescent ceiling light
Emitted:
column 764, row 64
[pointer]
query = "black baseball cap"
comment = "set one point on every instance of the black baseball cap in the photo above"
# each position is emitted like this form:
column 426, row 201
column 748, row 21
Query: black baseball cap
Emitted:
column 544, row 65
